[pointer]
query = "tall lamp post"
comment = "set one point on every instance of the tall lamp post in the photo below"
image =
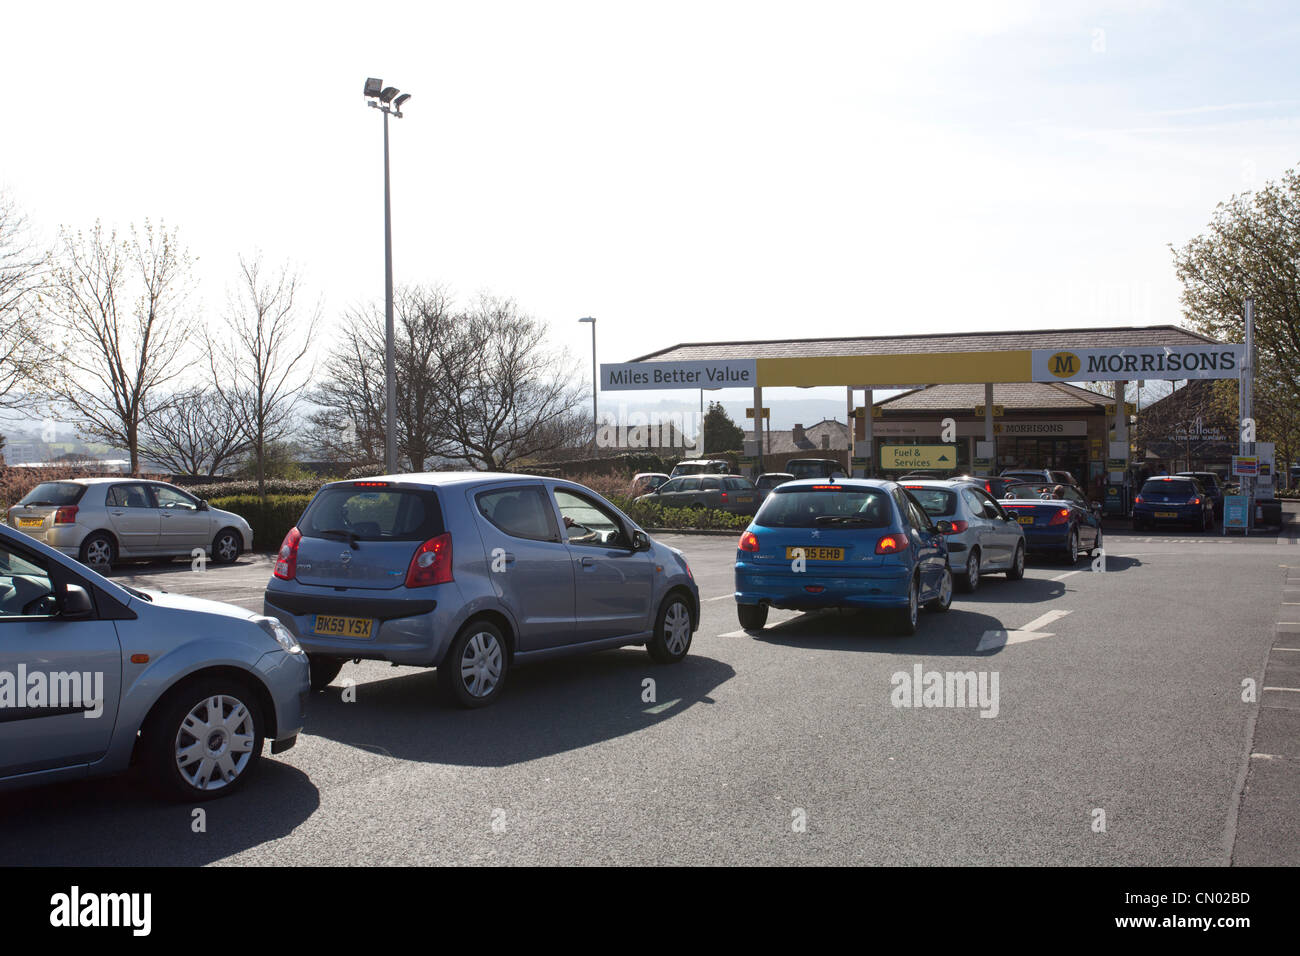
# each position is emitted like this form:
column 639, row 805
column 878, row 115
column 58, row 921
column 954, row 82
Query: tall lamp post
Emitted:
column 386, row 100
column 595, row 425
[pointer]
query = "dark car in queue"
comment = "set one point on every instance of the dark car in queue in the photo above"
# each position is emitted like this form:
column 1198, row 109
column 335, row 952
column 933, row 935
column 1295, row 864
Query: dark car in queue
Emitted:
column 1212, row 484
column 855, row 543
column 769, row 480
column 1173, row 500
column 1056, row 519
column 814, row 467
column 723, row 492
column 1041, row 476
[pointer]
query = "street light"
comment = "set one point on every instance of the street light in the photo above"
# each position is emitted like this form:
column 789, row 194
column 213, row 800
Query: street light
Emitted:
column 595, row 425
column 382, row 98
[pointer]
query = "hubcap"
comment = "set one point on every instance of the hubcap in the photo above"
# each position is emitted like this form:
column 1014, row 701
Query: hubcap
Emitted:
column 945, row 589
column 1074, row 547
column 677, row 628
column 912, row 602
column 973, row 569
column 98, row 552
column 215, row 742
column 480, row 664
column 226, row 547
column 1020, row 560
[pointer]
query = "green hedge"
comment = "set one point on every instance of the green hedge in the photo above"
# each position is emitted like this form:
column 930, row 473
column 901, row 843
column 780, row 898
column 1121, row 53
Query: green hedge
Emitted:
column 655, row 516
column 271, row 518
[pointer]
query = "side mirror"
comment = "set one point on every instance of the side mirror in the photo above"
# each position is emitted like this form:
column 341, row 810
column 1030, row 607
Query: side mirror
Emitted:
column 76, row 603
column 640, row 541
column 203, row 505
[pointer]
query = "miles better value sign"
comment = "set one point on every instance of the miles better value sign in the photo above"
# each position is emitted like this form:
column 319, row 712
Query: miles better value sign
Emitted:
column 738, row 373
column 1113, row 365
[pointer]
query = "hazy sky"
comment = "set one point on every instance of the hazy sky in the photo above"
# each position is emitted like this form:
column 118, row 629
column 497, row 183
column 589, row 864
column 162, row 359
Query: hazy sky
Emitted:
column 684, row 172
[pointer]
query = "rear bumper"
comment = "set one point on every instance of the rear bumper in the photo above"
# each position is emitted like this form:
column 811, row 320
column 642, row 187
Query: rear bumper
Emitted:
column 1151, row 515
column 1048, row 538
column 406, row 631
column 883, row 587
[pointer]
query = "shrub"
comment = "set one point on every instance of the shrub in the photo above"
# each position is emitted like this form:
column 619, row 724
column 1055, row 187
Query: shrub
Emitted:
column 652, row 516
column 270, row 517
column 238, row 487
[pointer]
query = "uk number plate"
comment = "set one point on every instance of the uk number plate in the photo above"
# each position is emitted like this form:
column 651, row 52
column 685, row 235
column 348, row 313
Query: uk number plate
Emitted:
column 815, row 554
column 327, row 625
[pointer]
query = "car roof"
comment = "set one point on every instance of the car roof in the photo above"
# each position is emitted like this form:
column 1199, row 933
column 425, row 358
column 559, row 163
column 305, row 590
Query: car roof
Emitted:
column 776, row 474
column 849, row 484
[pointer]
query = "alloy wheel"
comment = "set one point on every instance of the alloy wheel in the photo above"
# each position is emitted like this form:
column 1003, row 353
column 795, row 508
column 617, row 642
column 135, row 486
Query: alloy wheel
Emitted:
column 677, row 628
column 215, row 742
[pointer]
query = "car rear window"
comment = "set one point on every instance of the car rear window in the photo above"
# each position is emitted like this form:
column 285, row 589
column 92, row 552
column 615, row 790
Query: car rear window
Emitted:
column 937, row 502
column 57, row 493
column 812, row 508
column 1161, row 487
column 374, row 514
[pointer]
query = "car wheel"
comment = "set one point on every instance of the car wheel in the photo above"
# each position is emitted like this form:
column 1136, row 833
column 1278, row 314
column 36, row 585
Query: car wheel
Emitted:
column 1017, row 569
column 1072, row 548
column 672, row 634
column 226, row 546
column 970, row 581
column 906, row 619
column 944, row 600
column 474, row 670
column 204, row 741
column 323, row 670
column 752, row 616
column 98, row 551
column 1097, row 545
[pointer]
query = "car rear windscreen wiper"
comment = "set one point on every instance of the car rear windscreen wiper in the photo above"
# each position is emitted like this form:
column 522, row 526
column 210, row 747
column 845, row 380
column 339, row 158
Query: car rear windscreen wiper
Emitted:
column 351, row 536
column 842, row 519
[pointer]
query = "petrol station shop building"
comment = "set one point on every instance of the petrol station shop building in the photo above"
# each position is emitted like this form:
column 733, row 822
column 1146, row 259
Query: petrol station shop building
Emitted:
column 974, row 401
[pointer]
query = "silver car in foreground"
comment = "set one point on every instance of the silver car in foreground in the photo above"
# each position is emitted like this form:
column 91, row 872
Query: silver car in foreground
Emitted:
column 95, row 677
column 473, row 573
column 984, row 538
column 99, row 520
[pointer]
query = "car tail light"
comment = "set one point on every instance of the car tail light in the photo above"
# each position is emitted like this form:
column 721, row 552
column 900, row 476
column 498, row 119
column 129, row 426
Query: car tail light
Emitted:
column 814, row 588
column 286, row 562
column 889, row 544
column 369, row 484
column 431, row 564
column 724, row 496
column 1194, row 501
column 988, row 486
column 1061, row 516
column 66, row 515
column 748, row 541
column 958, row 527
column 1137, row 499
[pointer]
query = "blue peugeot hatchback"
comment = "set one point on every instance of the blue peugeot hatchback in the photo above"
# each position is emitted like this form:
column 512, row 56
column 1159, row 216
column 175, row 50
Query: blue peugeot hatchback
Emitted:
column 846, row 543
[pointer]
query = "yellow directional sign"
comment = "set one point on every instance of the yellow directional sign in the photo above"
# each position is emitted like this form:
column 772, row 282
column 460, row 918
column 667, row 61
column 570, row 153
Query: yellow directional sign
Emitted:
column 1128, row 407
column 932, row 457
column 998, row 411
column 749, row 412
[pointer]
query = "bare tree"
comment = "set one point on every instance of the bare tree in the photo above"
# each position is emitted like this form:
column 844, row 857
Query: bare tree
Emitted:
column 121, row 307
column 23, row 350
column 260, row 360
column 508, row 394
column 351, row 420
column 193, row 432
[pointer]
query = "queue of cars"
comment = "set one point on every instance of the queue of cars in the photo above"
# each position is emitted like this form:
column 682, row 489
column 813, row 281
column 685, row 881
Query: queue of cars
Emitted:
column 471, row 574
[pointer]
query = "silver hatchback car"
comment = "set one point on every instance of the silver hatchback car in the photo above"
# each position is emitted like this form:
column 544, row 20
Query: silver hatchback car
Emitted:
column 473, row 573
column 99, row 520
column 95, row 677
column 984, row 538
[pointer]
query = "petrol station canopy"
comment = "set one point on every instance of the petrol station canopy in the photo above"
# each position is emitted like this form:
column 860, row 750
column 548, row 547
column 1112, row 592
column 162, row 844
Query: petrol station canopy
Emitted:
column 900, row 361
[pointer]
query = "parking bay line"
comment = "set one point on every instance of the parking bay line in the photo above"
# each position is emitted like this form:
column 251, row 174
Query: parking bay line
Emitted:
column 1062, row 577
column 994, row 640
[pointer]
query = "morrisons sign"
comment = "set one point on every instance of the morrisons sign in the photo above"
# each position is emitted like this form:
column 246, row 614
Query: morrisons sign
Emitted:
column 1111, row 365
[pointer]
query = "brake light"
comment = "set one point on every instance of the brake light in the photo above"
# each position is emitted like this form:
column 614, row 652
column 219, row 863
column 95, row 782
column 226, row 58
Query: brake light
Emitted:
column 988, row 486
column 431, row 564
column 914, row 487
column 958, row 527
column 369, row 484
column 1194, row 501
column 748, row 541
column 1061, row 516
column 66, row 515
column 724, row 496
column 889, row 544
column 825, row 487
column 1137, row 499
column 286, row 562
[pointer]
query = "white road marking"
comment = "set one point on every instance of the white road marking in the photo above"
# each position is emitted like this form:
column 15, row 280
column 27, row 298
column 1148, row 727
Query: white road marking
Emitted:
column 722, row 597
column 1062, row 577
column 1294, row 690
column 992, row 640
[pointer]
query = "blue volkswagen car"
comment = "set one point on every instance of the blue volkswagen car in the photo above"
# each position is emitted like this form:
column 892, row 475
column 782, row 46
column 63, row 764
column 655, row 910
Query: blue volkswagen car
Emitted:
column 846, row 543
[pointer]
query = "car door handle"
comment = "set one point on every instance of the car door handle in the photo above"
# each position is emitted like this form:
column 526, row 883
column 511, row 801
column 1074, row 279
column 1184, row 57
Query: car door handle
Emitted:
column 118, row 514
column 587, row 562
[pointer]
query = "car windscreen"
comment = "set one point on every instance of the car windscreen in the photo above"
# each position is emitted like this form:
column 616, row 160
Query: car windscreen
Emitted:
column 373, row 514
column 58, row 493
column 937, row 502
column 809, row 469
column 1027, row 491
column 815, row 508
